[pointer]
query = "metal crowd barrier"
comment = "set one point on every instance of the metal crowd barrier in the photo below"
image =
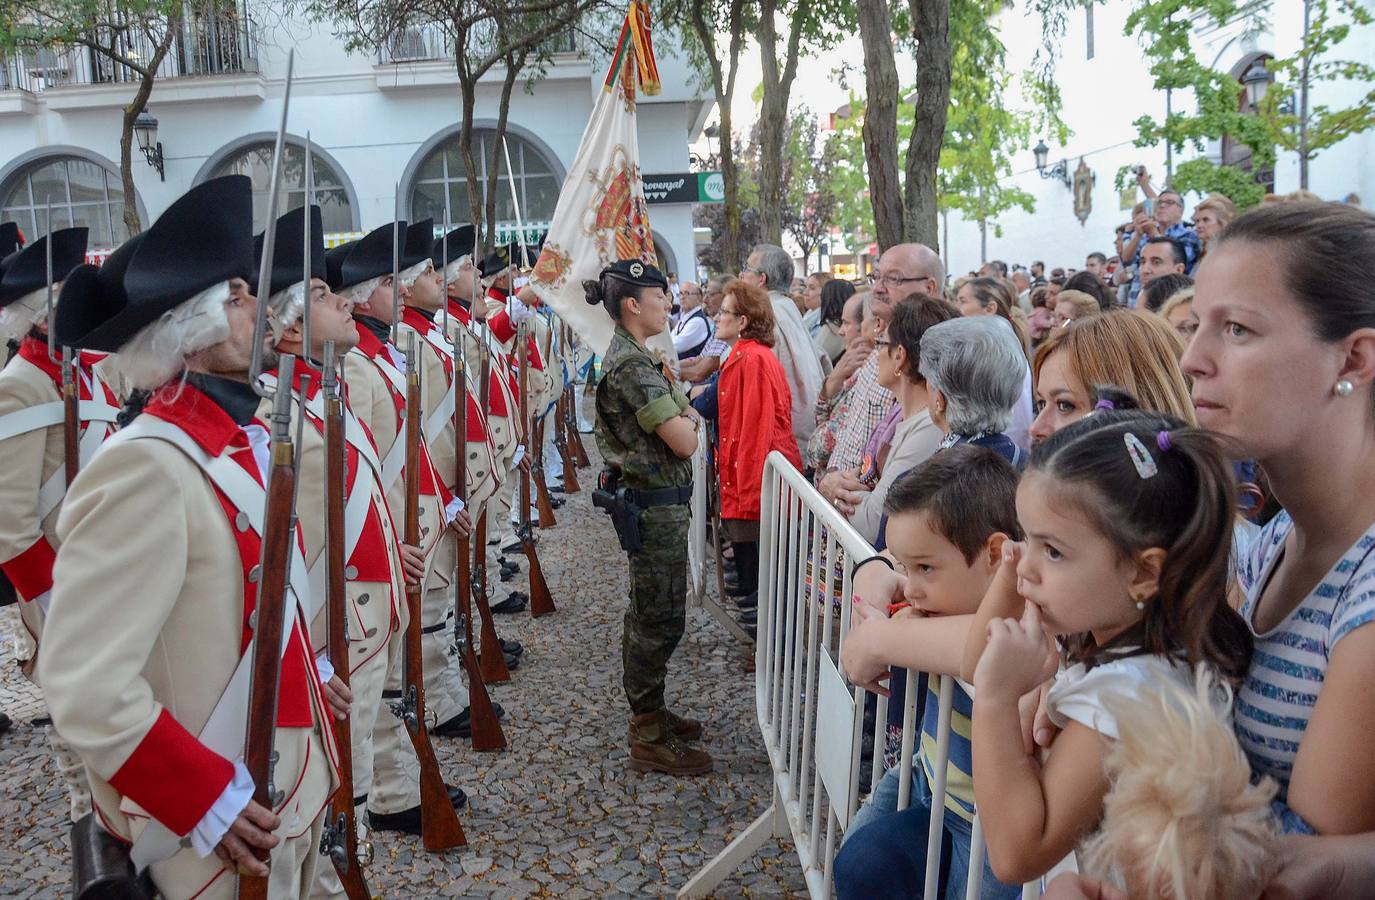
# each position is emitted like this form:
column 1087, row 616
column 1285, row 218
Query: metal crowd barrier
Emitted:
column 810, row 717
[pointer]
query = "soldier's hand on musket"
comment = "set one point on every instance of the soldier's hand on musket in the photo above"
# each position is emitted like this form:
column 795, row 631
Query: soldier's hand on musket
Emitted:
column 463, row 523
column 253, row 828
column 525, row 464
column 338, row 697
column 413, row 562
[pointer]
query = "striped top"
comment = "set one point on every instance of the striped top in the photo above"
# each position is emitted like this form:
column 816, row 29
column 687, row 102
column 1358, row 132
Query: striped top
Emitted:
column 959, row 778
column 1277, row 697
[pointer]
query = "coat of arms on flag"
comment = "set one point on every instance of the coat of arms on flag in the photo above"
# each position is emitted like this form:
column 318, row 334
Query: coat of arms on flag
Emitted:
column 601, row 216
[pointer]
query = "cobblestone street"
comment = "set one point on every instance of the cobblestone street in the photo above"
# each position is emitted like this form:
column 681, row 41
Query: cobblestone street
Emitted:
column 557, row 814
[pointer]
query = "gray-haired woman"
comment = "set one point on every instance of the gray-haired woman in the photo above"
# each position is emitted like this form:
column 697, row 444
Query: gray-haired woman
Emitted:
column 974, row 369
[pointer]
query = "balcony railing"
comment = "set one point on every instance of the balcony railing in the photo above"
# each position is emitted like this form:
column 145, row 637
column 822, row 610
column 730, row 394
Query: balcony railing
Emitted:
column 221, row 43
column 430, row 41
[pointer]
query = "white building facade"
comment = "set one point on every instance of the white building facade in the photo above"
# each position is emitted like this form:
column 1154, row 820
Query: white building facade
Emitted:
column 1106, row 86
column 379, row 123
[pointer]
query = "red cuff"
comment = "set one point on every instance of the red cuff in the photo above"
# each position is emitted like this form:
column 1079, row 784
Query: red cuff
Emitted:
column 501, row 326
column 31, row 572
column 173, row 776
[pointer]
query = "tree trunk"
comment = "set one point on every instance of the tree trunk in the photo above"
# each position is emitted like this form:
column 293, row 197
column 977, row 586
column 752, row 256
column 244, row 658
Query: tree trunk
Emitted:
column 494, row 181
column 147, row 75
column 723, row 85
column 773, row 114
column 467, row 87
column 881, row 121
column 931, row 29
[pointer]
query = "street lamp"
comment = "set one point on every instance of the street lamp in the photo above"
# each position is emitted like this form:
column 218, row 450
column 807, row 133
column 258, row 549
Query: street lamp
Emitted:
column 146, row 130
column 1058, row 171
column 1257, row 82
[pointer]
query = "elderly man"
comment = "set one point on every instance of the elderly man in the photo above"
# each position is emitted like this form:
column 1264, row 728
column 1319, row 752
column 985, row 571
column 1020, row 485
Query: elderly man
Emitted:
column 902, row 271
column 770, row 267
column 693, row 328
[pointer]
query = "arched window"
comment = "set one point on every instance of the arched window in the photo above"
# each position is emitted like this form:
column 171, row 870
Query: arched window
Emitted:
column 1236, row 153
column 81, row 191
column 442, row 171
column 255, row 161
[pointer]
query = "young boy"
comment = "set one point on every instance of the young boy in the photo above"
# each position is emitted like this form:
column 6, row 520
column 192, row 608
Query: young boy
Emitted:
column 947, row 521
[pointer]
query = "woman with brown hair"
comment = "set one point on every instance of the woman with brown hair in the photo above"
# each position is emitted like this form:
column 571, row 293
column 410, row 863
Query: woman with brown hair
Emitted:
column 1133, row 351
column 755, row 414
column 990, row 297
column 1211, row 218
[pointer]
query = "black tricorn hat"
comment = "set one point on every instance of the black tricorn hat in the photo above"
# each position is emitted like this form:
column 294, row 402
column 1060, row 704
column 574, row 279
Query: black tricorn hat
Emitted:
column 204, row 238
column 288, row 247
column 459, row 244
column 11, row 238
column 509, row 255
column 92, row 298
column 334, row 259
column 636, row 272
column 27, row 270
column 419, row 243
column 371, row 255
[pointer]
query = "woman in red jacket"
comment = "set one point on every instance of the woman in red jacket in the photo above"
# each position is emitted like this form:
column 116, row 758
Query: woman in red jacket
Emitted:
column 755, row 413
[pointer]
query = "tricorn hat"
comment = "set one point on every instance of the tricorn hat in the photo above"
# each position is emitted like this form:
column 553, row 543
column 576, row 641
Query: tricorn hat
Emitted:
column 459, row 243
column 419, row 243
column 334, row 259
column 204, row 238
column 92, row 298
column 507, row 255
column 288, row 251
column 27, row 270
column 11, row 238
column 371, row 255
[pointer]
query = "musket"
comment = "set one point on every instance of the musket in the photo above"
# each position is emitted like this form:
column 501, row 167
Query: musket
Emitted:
column 268, row 620
column 570, row 464
column 439, row 825
column 340, row 839
column 493, row 657
column 71, row 408
column 541, row 603
column 542, row 500
column 571, row 407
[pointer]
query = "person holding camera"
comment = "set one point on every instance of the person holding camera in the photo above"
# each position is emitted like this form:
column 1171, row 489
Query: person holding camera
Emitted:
column 1161, row 215
column 647, row 432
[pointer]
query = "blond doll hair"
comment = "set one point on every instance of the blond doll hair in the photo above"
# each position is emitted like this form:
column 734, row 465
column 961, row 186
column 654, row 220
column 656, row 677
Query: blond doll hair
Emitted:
column 1182, row 820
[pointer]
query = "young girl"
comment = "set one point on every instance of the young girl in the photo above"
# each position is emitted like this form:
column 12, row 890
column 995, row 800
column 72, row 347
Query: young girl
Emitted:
column 1128, row 519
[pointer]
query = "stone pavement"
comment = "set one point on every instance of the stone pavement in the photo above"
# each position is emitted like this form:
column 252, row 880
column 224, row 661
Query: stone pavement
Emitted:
column 557, row 814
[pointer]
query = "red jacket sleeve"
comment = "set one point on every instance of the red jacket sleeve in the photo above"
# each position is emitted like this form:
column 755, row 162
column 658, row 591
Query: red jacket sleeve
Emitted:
column 752, row 426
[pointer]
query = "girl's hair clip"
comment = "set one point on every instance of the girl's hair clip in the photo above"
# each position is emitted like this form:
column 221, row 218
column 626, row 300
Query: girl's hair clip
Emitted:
column 1164, row 441
column 1141, row 457
column 1105, row 403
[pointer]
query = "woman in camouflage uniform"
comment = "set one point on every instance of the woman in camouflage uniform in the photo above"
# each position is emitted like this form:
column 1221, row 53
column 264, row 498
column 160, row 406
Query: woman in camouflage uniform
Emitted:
column 647, row 431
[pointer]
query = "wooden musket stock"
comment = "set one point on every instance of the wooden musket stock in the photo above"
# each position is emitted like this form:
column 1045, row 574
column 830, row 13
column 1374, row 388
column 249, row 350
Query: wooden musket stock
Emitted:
column 492, row 658
column 541, row 602
column 71, row 418
column 439, row 825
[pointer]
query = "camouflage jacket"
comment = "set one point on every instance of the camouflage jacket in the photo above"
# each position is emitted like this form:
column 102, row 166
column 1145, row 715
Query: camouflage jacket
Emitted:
column 634, row 398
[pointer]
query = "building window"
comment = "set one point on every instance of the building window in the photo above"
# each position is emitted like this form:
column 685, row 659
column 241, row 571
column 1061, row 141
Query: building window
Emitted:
column 1088, row 26
column 441, row 174
column 255, row 161
column 81, row 191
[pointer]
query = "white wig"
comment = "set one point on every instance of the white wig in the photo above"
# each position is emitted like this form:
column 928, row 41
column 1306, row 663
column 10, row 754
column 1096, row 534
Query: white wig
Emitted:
column 1182, row 818
column 19, row 318
column 407, row 277
column 158, row 352
column 455, row 266
column 285, row 308
column 358, row 294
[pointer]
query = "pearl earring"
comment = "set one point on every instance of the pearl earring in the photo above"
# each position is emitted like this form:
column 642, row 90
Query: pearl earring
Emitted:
column 1140, row 604
column 1344, row 388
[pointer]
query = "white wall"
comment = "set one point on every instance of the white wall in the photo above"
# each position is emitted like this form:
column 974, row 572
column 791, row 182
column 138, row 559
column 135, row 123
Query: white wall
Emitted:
column 366, row 116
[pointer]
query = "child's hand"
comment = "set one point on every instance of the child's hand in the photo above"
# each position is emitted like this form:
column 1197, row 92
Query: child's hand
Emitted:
column 1016, row 659
column 858, row 657
column 877, row 586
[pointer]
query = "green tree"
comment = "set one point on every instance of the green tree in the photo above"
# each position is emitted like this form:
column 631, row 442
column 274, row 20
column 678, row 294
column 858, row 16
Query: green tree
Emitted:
column 810, row 204
column 1165, row 29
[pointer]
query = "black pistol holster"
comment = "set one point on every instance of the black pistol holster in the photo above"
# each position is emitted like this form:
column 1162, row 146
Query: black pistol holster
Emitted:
column 101, row 868
column 625, row 516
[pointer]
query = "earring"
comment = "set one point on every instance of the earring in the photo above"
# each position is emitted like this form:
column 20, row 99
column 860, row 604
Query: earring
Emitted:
column 1140, row 604
column 1344, row 388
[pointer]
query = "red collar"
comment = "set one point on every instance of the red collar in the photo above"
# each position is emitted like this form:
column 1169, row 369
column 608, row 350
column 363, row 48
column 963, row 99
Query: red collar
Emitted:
column 413, row 317
column 368, row 344
column 307, row 379
column 458, row 312
column 497, row 294
column 187, row 407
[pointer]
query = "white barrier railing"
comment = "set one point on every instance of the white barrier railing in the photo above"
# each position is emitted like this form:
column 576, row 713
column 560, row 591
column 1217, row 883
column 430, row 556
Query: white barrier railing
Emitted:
column 810, row 716
column 697, row 524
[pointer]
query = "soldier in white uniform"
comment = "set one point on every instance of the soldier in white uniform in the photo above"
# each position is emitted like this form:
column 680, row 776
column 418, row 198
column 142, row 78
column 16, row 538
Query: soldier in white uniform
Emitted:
column 155, row 584
column 33, row 455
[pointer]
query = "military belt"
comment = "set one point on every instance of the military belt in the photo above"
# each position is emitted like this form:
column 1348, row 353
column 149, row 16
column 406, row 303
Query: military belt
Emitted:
column 646, row 498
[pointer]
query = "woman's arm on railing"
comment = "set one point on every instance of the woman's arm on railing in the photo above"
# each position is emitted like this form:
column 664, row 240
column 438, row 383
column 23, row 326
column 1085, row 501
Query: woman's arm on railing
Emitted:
column 1001, row 602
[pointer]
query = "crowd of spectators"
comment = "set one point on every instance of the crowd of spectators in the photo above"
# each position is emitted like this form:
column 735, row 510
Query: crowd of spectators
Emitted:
column 1082, row 379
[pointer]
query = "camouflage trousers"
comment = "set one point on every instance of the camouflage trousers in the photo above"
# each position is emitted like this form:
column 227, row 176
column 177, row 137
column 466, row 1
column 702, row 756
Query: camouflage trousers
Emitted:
column 657, row 613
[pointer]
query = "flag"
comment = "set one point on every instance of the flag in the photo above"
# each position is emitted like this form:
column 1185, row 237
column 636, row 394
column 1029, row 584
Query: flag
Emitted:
column 601, row 216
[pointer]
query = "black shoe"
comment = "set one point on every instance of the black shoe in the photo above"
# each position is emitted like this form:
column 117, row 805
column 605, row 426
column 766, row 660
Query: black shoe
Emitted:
column 508, row 565
column 408, row 820
column 461, row 726
column 556, row 488
column 556, row 502
column 511, row 547
column 512, row 662
column 749, row 617
column 511, row 648
column 5, row 723
column 514, row 603
column 506, row 575
column 748, row 602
